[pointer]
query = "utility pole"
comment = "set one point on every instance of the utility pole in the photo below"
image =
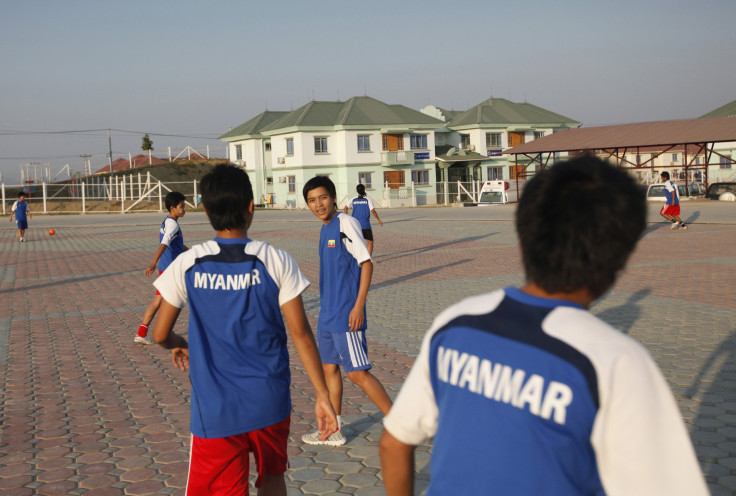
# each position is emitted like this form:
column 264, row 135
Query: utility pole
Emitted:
column 87, row 166
column 109, row 157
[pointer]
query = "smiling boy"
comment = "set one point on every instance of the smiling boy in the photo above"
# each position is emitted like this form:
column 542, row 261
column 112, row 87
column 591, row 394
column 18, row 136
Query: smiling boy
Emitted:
column 345, row 271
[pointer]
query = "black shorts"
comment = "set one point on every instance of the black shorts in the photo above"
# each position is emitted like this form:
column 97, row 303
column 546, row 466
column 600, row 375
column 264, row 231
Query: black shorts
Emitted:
column 368, row 234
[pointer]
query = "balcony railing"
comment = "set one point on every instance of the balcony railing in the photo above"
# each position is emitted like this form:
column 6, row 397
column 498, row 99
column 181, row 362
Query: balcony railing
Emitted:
column 401, row 157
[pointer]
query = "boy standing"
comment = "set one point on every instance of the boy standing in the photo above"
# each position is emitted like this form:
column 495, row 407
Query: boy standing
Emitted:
column 171, row 246
column 362, row 209
column 526, row 392
column 671, row 209
column 237, row 289
column 345, row 271
column 20, row 209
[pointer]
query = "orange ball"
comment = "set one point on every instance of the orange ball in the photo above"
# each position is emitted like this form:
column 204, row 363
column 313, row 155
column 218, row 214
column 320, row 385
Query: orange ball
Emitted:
column 52, row 232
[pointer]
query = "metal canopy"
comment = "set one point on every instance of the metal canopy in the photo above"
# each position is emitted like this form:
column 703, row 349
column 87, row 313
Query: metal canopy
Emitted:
column 692, row 137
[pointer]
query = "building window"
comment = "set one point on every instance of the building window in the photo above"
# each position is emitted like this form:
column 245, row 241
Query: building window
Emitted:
column 268, row 146
column 495, row 173
column 420, row 177
column 320, row 145
column 292, row 183
column 418, row 142
column 493, row 139
column 725, row 163
column 674, row 157
column 290, row 146
column 465, row 143
column 538, row 134
column 364, row 143
column 238, row 152
column 364, row 178
column 269, row 180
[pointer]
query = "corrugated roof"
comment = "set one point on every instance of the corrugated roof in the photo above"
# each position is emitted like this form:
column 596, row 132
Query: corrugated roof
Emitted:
column 661, row 133
column 727, row 110
column 357, row 111
column 502, row 112
column 254, row 125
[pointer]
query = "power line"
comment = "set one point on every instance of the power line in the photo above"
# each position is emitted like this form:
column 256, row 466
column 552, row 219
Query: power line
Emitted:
column 86, row 131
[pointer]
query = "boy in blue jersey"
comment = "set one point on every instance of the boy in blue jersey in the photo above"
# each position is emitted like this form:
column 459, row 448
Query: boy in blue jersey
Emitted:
column 345, row 271
column 671, row 208
column 20, row 210
column 362, row 209
column 237, row 289
column 171, row 245
column 524, row 391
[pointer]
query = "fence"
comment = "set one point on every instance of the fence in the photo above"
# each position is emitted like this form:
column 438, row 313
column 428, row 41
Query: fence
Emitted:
column 124, row 194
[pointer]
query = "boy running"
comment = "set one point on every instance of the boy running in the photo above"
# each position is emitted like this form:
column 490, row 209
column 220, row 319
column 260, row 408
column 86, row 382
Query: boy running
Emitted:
column 20, row 210
column 671, row 209
column 524, row 391
column 345, row 271
column 362, row 209
column 237, row 289
column 171, row 245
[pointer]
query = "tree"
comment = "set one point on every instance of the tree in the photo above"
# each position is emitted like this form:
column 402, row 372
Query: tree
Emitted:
column 147, row 145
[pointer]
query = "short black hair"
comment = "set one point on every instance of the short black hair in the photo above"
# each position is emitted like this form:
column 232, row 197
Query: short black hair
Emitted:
column 173, row 199
column 226, row 196
column 578, row 222
column 320, row 182
column 21, row 193
column 665, row 174
column 360, row 188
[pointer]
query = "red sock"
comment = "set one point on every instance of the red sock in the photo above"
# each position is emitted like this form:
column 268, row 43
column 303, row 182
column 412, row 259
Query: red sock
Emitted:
column 143, row 330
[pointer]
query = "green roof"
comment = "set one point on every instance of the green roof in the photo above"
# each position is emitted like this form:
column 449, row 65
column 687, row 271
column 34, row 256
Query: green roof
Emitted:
column 357, row 111
column 501, row 112
column 253, row 126
column 727, row 110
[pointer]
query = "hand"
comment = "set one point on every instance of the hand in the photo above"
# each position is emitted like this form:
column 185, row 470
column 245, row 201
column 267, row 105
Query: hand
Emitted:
column 380, row 223
column 326, row 419
column 180, row 357
column 150, row 269
column 356, row 318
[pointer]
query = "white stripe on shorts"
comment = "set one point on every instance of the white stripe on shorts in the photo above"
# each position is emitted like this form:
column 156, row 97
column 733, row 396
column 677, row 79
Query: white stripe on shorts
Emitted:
column 358, row 356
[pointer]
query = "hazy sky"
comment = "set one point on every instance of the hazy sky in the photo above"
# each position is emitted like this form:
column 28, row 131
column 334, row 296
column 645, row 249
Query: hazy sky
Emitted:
column 196, row 68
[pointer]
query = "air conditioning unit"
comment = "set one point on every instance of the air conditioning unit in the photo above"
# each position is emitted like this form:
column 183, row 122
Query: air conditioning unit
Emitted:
column 281, row 160
column 282, row 179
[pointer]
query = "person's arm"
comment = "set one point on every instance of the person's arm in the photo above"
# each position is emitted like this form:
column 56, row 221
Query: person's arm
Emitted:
column 397, row 465
column 163, row 335
column 357, row 314
column 151, row 268
column 306, row 348
column 375, row 214
column 345, row 209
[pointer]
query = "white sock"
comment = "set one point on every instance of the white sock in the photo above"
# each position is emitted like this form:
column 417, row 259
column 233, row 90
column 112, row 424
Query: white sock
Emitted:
column 339, row 422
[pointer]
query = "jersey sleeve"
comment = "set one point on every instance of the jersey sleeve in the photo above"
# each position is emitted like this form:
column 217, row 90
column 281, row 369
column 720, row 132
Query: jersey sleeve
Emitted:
column 171, row 283
column 349, row 204
column 350, row 227
column 371, row 207
column 14, row 207
column 171, row 227
column 413, row 416
column 292, row 282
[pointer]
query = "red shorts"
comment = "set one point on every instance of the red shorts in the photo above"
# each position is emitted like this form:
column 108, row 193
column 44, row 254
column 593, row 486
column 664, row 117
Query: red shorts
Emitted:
column 671, row 209
column 219, row 466
column 159, row 273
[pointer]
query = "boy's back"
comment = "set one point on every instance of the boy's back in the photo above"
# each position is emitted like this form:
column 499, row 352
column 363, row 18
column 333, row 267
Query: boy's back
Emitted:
column 238, row 356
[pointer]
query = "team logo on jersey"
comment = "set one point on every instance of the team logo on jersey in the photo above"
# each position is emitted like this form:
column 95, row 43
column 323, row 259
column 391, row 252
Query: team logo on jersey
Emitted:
column 330, row 243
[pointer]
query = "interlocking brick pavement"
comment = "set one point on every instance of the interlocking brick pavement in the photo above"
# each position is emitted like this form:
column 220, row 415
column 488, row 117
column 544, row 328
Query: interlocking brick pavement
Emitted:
column 86, row 411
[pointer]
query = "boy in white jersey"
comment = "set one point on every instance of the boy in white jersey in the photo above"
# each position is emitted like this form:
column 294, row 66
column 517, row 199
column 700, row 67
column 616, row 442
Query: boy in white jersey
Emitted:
column 523, row 390
column 345, row 271
column 20, row 211
column 171, row 245
column 237, row 290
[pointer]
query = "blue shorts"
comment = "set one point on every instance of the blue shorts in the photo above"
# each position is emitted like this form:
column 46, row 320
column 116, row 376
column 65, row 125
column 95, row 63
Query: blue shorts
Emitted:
column 22, row 224
column 347, row 349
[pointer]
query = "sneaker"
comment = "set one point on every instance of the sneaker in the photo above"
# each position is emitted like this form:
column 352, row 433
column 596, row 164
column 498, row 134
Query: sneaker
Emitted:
column 142, row 340
column 336, row 439
column 683, row 226
column 675, row 225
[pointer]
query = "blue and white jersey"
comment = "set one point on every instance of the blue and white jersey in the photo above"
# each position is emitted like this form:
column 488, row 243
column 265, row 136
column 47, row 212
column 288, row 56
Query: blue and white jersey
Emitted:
column 362, row 207
column 341, row 251
column 670, row 193
column 239, row 363
column 525, row 395
column 20, row 208
column 171, row 236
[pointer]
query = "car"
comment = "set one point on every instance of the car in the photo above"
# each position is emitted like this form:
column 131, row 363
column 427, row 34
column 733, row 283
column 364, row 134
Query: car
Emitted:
column 722, row 191
column 655, row 192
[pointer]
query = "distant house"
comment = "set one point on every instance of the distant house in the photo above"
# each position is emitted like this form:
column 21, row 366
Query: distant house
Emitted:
column 123, row 164
column 388, row 148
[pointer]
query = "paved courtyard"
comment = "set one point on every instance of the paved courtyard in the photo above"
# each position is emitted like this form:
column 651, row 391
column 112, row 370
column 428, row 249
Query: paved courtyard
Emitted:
column 83, row 410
